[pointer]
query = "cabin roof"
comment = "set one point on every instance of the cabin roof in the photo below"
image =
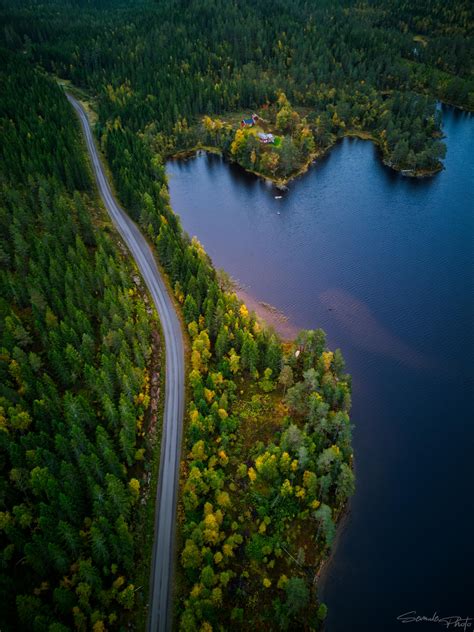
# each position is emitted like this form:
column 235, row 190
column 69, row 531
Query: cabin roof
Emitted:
column 266, row 137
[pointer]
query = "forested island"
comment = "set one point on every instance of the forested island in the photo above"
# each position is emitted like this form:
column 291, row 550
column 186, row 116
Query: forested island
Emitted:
column 267, row 459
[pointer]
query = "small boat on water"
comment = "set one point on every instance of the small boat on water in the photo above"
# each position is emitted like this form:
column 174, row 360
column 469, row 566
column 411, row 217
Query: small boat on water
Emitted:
column 278, row 197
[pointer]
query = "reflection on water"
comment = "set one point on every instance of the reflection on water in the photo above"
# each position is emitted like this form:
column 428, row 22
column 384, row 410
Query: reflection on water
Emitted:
column 385, row 265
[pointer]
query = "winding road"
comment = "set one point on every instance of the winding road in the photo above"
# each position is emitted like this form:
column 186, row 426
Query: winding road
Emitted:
column 160, row 616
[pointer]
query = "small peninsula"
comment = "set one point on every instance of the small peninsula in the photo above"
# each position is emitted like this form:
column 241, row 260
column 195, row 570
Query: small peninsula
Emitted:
column 278, row 142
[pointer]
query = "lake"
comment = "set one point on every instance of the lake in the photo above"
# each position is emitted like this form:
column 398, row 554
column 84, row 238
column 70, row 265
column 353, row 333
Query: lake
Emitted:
column 384, row 264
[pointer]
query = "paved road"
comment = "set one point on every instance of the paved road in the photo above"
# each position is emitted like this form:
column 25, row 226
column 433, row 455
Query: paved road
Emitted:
column 163, row 549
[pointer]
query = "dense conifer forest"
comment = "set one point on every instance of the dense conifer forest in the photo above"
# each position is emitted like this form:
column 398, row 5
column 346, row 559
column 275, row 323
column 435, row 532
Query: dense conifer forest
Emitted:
column 158, row 66
column 76, row 351
column 267, row 459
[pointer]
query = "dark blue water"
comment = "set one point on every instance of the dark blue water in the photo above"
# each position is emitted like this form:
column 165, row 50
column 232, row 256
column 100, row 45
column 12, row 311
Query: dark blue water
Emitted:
column 385, row 265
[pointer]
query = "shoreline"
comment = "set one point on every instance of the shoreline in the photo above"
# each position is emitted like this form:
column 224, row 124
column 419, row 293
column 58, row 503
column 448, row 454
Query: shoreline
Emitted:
column 282, row 183
column 267, row 315
column 270, row 316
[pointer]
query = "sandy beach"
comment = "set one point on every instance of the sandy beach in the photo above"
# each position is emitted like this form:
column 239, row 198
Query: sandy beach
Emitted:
column 269, row 315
